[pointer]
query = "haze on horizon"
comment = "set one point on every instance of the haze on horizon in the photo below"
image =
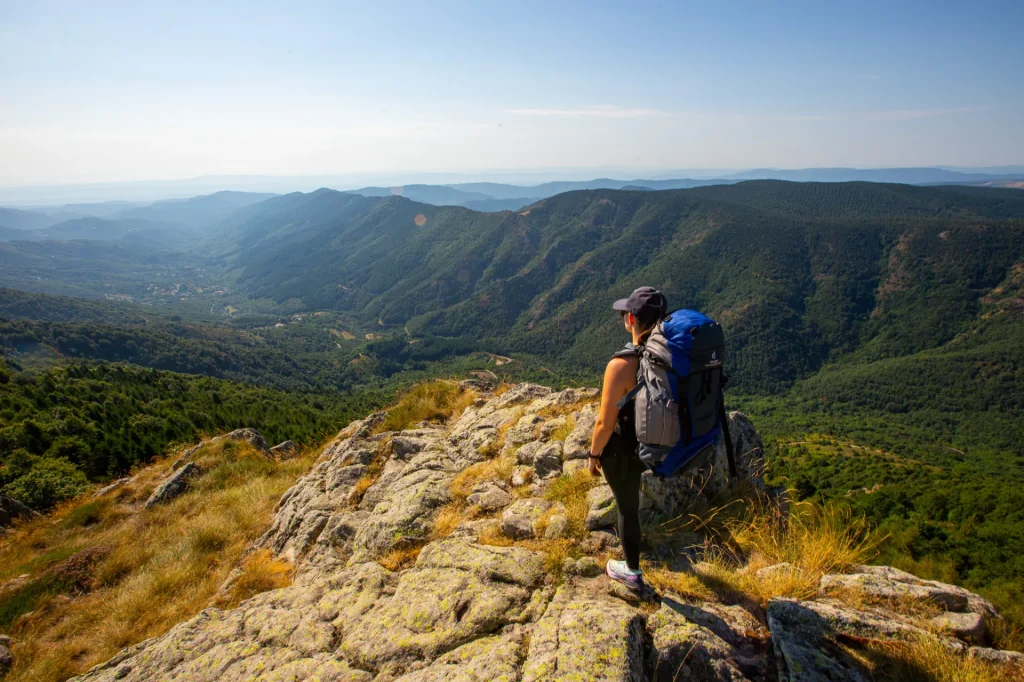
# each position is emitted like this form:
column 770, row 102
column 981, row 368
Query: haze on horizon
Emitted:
column 135, row 91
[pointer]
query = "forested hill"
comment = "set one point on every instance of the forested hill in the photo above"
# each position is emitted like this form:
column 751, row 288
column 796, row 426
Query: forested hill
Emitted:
column 798, row 273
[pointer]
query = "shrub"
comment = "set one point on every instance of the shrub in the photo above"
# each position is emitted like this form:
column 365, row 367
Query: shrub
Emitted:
column 48, row 482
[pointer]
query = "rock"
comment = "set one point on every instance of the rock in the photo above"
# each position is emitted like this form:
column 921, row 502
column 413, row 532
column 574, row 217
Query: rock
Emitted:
column 548, row 460
column 784, row 568
column 526, row 429
column 577, row 443
column 489, row 658
column 996, row 656
column 480, row 385
column 975, row 603
column 457, row 592
column 488, row 496
column 682, row 649
column 5, row 641
column 113, row 486
column 599, row 541
column 521, row 475
column 886, row 587
column 584, row 567
column 603, row 512
column 558, row 526
column 970, row 627
column 550, row 426
column 803, row 648
column 11, row 509
column 520, row 521
column 571, row 466
column 586, row 638
column 174, row 485
column 284, row 451
column 528, row 452
column 6, row 660
column 669, row 496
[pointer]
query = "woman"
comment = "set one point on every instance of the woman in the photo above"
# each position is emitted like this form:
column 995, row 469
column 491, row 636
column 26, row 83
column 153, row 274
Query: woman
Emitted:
column 613, row 446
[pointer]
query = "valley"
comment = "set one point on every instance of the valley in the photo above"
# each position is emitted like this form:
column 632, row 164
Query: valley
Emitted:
column 874, row 335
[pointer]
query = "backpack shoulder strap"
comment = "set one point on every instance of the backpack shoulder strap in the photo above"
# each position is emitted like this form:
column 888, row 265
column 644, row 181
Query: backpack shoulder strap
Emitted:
column 724, row 418
column 629, row 351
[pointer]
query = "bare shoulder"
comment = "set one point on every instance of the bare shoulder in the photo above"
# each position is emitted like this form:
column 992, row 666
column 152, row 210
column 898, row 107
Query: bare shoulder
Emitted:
column 620, row 369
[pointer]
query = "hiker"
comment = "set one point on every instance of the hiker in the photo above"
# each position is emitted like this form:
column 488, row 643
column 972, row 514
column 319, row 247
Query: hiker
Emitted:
column 613, row 448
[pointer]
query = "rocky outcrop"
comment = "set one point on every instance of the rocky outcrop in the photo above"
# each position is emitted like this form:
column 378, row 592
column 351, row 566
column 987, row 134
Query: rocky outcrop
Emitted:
column 116, row 485
column 285, row 450
column 174, row 485
column 6, row 659
column 246, row 435
column 11, row 510
column 379, row 594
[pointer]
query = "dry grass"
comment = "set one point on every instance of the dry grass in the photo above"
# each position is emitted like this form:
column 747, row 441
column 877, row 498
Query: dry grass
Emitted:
column 497, row 469
column 552, row 411
column 401, row 558
column 681, row 584
column 260, row 572
column 812, row 540
column 165, row 563
column 925, row 659
column 433, row 401
column 571, row 491
column 449, row 517
column 563, row 431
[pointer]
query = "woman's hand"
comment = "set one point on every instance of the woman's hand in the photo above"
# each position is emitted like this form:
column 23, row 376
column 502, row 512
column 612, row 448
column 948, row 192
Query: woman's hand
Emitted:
column 594, row 464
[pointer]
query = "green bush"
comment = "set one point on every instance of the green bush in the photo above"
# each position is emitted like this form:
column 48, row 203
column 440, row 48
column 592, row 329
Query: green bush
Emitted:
column 48, row 482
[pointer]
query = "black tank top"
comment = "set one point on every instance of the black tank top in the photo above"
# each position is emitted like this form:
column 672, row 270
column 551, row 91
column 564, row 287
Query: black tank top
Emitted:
column 623, row 440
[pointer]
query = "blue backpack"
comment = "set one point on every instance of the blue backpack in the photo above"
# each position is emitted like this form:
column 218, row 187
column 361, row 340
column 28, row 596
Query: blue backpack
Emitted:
column 680, row 410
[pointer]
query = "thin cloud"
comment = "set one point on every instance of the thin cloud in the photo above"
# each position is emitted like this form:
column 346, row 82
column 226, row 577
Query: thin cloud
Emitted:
column 600, row 111
column 914, row 114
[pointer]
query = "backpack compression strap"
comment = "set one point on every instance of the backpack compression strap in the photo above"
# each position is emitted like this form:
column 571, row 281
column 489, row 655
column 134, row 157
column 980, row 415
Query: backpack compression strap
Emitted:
column 724, row 418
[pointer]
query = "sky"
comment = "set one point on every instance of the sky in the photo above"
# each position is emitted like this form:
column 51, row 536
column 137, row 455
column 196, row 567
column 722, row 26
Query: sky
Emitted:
column 101, row 91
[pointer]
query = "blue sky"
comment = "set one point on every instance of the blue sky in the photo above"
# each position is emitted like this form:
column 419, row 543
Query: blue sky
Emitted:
column 111, row 91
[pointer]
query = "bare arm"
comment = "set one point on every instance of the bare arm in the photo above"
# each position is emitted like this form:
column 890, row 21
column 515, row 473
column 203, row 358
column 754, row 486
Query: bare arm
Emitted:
column 619, row 378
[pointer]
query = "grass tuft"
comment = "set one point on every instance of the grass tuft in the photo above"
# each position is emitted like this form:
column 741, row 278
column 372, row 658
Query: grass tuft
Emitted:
column 571, row 491
column 925, row 659
column 401, row 558
column 260, row 572
column 433, row 401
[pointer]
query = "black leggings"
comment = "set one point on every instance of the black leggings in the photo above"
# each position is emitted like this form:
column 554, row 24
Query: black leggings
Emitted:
column 622, row 469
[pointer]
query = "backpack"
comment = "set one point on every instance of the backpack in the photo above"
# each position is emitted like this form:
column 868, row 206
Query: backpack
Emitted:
column 679, row 406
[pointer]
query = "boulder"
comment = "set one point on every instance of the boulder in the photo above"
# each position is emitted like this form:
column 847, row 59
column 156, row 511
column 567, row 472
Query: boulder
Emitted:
column 582, row 637
column 11, row 509
column 970, row 627
column 285, row 450
column 489, row 496
column 6, row 660
column 525, row 430
column 119, row 483
column 996, row 656
column 521, row 520
column 174, row 485
column 671, row 496
column 901, row 586
column 547, row 462
column 603, row 512
column 584, row 567
column 577, row 443
column 804, row 649
column 684, row 650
